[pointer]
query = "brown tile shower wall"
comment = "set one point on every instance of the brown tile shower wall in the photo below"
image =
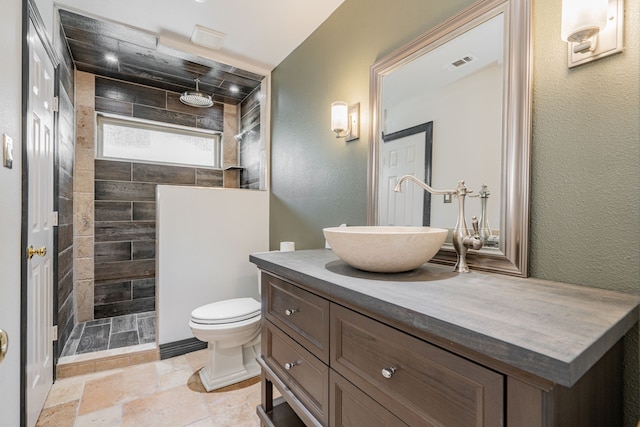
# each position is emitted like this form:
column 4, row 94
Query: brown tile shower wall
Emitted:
column 250, row 146
column 83, row 196
column 125, row 231
column 125, row 228
column 64, row 180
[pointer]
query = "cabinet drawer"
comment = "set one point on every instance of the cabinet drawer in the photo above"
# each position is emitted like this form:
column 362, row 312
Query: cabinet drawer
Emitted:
column 301, row 314
column 351, row 407
column 305, row 375
column 424, row 385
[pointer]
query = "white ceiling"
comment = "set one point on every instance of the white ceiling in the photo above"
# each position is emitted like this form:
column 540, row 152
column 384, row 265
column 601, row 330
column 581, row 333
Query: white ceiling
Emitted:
column 258, row 32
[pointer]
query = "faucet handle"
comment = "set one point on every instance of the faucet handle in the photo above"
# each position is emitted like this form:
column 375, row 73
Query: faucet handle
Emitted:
column 473, row 242
column 474, row 224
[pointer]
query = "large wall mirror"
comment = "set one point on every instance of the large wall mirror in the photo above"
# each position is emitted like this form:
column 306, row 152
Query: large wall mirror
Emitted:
column 453, row 105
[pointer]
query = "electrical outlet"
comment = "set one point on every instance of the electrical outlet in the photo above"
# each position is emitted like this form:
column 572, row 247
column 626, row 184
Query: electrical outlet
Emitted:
column 7, row 151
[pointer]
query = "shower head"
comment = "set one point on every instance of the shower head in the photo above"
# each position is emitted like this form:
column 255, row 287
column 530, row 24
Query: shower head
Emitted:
column 239, row 137
column 195, row 98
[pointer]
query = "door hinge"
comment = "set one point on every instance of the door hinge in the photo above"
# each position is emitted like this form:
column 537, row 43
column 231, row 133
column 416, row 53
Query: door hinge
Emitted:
column 54, row 218
column 56, row 104
column 54, row 333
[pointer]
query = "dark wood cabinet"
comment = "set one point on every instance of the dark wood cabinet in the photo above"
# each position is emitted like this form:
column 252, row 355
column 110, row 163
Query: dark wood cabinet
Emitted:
column 421, row 383
column 341, row 357
column 301, row 314
column 378, row 372
column 352, row 407
column 305, row 375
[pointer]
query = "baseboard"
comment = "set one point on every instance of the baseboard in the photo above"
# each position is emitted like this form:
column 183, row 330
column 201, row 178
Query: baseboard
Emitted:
column 178, row 348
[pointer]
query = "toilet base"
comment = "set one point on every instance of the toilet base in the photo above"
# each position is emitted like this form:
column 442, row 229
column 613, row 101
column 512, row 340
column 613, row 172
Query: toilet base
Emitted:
column 226, row 366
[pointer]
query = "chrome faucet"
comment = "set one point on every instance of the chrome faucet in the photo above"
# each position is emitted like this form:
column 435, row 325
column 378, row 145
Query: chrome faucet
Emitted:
column 462, row 239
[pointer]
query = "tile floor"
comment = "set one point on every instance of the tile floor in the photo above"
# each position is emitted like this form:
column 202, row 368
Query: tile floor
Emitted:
column 110, row 333
column 162, row 393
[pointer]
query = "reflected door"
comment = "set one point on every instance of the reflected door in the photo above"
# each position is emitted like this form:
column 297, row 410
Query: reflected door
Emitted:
column 406, row 152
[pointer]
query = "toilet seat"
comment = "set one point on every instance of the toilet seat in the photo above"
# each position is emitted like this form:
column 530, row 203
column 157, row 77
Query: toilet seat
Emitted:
column 227, row 311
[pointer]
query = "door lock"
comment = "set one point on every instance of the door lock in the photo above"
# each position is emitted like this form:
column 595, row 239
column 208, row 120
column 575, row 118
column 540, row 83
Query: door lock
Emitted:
column 4, row 344
column 40, row 251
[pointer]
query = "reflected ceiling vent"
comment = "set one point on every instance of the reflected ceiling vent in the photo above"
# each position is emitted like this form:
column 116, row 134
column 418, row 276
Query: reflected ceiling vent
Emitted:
column 207, row 37
column 195, row 98
column 460, row 62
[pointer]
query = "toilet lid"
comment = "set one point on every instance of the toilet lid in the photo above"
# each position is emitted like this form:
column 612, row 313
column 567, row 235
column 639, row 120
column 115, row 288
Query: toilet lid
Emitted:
column 227, row 311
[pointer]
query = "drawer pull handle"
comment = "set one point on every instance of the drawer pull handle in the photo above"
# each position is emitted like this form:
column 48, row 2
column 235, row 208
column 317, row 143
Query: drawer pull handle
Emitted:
column 388, row 372
column 289, row 365
column 290, row 311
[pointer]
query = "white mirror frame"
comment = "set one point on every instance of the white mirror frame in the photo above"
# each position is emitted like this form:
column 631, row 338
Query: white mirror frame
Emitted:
column 513, row 260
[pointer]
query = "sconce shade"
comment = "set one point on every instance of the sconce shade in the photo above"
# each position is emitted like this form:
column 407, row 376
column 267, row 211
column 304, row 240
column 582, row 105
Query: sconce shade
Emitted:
column 582, row 19
column 339, row 116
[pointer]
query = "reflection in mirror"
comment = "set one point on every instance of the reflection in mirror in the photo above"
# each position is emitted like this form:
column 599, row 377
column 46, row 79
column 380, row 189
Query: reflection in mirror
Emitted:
column 454, row 105
column 458, row 88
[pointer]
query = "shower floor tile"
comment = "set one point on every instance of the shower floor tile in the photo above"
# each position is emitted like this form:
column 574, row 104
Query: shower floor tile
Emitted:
column 124, row 339
column 109, row 333
column 123, row 323
column 94, row 338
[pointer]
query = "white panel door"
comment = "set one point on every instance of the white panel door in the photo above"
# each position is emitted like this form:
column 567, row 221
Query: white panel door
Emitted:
column 403, row 156
column 39, row 373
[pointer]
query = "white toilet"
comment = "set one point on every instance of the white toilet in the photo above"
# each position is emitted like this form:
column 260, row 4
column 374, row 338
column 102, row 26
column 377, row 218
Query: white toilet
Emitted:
column 232, row 330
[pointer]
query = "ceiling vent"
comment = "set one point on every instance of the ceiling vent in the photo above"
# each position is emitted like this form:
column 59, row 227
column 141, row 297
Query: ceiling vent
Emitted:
column 460, row 62
column 207, row 37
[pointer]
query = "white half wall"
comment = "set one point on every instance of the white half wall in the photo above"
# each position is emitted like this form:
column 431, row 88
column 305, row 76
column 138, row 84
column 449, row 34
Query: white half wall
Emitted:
column 204, row 239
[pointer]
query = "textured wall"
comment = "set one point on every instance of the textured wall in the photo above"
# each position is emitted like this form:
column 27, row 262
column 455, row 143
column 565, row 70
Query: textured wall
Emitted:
column 317, row 180
column 586, row 145
column 585, row 203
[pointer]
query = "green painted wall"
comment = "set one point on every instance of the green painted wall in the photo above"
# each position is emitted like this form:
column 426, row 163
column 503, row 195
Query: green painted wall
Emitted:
column 585, row 172
column 317, row 180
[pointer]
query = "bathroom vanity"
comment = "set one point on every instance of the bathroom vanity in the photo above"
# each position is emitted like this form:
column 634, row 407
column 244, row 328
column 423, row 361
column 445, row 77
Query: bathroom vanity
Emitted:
column 433, row 347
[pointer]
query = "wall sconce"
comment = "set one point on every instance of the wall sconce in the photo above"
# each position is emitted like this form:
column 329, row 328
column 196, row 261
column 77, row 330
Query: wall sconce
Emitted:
column 345, row 120
column 592, row 28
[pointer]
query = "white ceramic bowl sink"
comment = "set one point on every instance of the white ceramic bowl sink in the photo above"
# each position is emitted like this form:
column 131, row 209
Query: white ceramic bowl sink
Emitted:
column 381, row 249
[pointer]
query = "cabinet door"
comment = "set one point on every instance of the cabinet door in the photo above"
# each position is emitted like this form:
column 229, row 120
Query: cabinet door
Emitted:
column 301, row 314
column 420, row 383
column 350, row 407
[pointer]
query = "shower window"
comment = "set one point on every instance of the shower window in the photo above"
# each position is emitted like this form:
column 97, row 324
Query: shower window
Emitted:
column 152, row 142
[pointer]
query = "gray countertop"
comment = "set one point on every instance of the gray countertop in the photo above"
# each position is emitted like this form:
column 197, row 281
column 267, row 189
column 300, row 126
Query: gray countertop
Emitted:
column 554, row 331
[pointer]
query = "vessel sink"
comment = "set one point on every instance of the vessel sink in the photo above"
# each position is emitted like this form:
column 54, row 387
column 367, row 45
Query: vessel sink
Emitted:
column 385, row 249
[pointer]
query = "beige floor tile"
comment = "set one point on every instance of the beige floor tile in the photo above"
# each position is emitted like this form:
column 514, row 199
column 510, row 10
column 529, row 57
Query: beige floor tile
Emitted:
column 63, row 392
column 161, row 393
column 236, row 407
column 197, row 359
column 128, row 384
column 82, row 379
column 58, row 416
column 108, row 417
column 175, row 378
column 176, row 407
column 173, row 364
column 208, row 422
